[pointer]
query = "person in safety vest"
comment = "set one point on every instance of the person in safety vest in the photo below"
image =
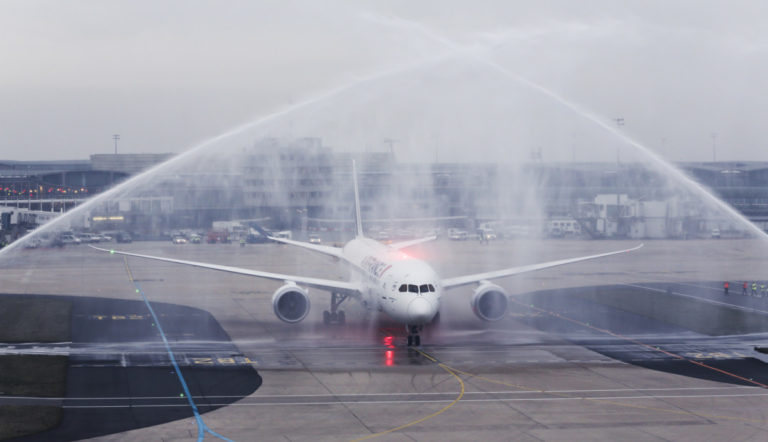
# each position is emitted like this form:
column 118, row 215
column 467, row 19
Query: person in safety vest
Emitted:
column 754, row 289
column 744, row 288
column 726, row 286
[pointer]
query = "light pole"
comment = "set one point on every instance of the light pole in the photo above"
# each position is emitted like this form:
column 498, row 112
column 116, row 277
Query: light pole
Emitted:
column 619, row 122
column 116, row 137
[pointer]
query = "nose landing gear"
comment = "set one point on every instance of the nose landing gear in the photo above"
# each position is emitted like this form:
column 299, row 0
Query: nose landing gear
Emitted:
column 335, row 316
column 414, row 340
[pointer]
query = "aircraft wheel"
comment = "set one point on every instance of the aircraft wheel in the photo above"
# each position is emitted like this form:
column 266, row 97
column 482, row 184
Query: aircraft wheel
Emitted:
column 326, row 317
column 410, row 340
column 417, row 341
column 341, row 318
column 334, row 317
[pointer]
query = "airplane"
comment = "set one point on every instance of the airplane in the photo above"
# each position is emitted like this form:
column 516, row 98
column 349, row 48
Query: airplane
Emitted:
column 387, row 279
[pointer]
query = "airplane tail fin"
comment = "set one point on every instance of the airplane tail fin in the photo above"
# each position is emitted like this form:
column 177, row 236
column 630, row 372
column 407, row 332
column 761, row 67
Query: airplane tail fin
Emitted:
column 358, row 217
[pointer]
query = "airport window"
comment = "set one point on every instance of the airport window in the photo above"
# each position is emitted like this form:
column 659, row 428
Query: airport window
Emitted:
column 413, row 288
column 424, row 288
column 403, row 288
column 431, row 288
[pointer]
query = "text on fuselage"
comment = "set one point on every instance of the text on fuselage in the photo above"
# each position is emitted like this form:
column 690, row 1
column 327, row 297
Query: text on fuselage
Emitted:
column 374, row 266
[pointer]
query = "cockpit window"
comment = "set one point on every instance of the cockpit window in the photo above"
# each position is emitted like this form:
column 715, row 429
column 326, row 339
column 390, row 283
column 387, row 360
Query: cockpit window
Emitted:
column 413, row 288
column 431, row 288
column 403, row 288
column 424, row 288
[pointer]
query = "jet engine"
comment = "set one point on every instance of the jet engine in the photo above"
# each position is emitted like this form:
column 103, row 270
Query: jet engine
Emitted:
column 291, row 303
column 490, row 302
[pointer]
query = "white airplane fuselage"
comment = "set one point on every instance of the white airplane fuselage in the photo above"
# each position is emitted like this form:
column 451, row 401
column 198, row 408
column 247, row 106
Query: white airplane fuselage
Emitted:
column 405, row 288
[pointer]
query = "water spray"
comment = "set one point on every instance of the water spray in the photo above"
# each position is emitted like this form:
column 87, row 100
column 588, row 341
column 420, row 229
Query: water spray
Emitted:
column 394, row 21
column 169, row 164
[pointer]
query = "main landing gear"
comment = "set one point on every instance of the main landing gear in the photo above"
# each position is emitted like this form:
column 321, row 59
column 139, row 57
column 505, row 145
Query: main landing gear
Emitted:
column 335, row 316
column 414, row 340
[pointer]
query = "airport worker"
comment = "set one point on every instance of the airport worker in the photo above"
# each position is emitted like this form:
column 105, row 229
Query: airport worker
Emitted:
column 762, row 290
column 754, row 289
column 726, row 286
column 744, row 288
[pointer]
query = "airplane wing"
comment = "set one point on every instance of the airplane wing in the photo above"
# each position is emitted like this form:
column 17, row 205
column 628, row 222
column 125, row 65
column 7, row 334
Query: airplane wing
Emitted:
column 328, row 250
column 471, row 279
column 412, row 242
column 318, row 283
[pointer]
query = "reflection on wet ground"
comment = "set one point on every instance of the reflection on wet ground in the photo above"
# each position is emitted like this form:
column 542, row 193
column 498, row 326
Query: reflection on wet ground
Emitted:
column 120, row 376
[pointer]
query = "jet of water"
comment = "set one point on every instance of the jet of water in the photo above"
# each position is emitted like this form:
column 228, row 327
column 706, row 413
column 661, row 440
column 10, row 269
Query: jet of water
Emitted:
column 171, row 163
column 482, row 57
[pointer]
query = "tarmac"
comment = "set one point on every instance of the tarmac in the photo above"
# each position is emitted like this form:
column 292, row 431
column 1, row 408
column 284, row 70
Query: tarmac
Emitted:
column 645, row 346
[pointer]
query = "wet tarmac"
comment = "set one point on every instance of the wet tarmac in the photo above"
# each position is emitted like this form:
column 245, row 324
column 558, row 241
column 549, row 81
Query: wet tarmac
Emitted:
column 571, row 361
column 120, row 376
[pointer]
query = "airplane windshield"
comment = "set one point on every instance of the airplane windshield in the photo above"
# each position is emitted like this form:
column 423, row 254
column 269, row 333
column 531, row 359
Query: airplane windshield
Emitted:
column 413, row 288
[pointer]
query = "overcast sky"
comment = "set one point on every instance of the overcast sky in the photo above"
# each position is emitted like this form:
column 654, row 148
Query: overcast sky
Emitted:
column 167, row 74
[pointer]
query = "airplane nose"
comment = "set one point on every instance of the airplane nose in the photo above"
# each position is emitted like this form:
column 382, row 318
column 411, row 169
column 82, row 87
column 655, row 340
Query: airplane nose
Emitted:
column 420, row 311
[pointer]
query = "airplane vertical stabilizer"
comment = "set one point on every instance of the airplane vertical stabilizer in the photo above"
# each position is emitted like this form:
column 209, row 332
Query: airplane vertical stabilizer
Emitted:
column 358, row 217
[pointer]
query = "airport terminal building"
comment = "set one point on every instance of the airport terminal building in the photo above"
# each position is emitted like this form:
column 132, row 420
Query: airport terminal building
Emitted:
column 304, row 185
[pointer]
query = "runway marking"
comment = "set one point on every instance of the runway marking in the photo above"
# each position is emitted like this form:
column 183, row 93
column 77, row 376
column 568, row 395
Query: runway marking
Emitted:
column 437, row 413
column 468, row 393
column 228, row 361
column 698, row 298
column 121, row 317
column 612, row 400
column 715, row 355
column 608, row 400
column 202, row 428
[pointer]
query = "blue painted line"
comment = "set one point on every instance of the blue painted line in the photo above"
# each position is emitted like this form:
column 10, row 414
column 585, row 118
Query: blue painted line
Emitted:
column 202, row 428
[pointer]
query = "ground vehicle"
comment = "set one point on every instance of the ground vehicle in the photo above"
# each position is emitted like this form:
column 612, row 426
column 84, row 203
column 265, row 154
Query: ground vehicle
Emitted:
column 33, row 244
column 195, row 239
column 255, row 238
column 179, row 240
column 123, row 237
column 69, row 239
column 458, row 235
column 215, row 236
column 488, row 234
column 715, row 233
column 87, row 237
column 284, row 234
column 315, row 239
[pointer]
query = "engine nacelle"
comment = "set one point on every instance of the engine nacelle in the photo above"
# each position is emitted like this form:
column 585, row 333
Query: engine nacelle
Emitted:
column 490, row 302
column 291, row 303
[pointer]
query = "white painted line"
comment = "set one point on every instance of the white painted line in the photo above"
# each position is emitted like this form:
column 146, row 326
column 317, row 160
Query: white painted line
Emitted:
column 384, row 402
column 257, row 395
